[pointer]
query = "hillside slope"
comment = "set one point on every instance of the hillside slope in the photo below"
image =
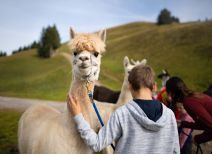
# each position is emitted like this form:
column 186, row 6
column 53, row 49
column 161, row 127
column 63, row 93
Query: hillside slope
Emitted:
column 26, row 75
column 184, row 49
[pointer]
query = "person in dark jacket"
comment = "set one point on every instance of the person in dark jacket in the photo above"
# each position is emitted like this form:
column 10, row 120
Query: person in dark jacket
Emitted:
column 198, row 106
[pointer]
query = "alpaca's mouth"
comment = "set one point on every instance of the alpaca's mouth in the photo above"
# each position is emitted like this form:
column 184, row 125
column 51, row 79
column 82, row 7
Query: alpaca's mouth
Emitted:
column 83, row 66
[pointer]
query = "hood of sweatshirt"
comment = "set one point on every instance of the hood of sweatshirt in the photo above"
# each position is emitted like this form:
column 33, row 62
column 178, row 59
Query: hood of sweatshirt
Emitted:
column 144, row 121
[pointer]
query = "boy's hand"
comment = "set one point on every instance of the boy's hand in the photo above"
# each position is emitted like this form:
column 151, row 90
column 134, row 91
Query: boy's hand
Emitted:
column 73, row 105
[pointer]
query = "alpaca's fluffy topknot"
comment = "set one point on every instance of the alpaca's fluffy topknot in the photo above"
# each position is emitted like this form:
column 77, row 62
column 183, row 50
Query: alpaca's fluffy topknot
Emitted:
column 87, row 42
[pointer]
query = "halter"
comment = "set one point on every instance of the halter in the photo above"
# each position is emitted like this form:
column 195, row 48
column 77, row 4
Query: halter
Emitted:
column 90, row 95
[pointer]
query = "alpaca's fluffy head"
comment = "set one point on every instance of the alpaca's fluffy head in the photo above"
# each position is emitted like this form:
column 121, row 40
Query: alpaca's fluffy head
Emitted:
column 128, row 66
column 86, row 54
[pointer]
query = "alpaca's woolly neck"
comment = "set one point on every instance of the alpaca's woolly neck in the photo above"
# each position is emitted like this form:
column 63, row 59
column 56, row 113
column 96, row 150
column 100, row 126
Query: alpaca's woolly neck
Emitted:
column 125, row 95
column 78, row 89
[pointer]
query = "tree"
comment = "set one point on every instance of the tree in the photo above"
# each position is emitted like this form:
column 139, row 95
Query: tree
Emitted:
column 20, row 49
column 49, row 41
column 3, row 54
column 14, row 52
column 34, row 45
column 166, row 18
column 175, row 19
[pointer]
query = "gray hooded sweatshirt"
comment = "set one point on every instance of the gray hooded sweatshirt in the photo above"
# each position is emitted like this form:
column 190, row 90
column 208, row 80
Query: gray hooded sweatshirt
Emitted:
column 133, row 132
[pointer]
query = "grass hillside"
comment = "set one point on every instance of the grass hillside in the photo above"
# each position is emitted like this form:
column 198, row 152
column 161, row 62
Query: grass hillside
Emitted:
column 26, row 75
column 184, row 49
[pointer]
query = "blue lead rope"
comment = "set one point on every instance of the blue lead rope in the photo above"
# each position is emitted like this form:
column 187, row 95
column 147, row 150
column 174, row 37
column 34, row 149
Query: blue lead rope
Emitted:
column 96, row 110
column 97, row 113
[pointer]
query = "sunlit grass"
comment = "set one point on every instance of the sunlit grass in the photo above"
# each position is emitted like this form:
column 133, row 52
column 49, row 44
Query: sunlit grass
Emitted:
column 27, row 75
column 8, row 130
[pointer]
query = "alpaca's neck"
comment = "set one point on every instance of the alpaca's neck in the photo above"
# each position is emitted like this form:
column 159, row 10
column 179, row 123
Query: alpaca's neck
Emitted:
column 125, row 95
column 78, row 89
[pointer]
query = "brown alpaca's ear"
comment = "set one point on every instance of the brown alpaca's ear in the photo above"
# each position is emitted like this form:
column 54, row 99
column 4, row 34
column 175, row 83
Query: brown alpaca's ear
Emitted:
column 72, row 33
column 102, row 35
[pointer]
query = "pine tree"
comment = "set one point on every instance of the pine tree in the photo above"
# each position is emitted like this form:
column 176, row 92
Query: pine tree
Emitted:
column 34, row 45
column 166, row 18
column 50, row 40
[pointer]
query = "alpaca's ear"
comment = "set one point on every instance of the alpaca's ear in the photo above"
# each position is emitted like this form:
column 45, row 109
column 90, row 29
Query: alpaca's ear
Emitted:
column 143, row 62
column 102, row 35
column 72, row 33
column 134, row 62
column 126, row 61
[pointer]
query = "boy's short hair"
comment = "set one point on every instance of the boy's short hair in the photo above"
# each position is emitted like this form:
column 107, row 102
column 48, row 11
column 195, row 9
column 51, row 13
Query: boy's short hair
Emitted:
column 142, row 76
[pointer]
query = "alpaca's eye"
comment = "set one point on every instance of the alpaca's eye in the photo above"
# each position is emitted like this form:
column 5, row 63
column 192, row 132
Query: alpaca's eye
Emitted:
column 96, row 54
column 75, row 53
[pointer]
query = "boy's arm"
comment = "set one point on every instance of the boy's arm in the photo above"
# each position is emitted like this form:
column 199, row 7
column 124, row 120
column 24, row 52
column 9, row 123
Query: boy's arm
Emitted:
column 111, row 131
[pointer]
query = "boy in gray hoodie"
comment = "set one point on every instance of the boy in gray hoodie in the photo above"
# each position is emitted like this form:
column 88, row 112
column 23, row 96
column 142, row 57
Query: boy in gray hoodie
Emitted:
column 141, row 126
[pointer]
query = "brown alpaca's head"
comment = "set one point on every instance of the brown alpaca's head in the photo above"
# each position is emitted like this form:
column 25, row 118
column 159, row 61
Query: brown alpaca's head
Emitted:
column 86, row 51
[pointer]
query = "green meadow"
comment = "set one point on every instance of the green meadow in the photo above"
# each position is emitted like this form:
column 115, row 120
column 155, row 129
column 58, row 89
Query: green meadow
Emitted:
column 184, row 49
column 27, row 75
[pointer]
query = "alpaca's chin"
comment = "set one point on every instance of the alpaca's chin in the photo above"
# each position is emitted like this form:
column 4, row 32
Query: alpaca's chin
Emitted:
column 85, row 71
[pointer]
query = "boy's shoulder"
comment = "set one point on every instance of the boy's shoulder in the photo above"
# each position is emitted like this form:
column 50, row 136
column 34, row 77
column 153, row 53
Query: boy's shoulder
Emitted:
column 169, row 113
column 123, row 109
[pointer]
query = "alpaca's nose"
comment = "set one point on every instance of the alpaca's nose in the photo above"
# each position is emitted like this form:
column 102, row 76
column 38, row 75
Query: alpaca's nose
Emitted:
column 84, row 58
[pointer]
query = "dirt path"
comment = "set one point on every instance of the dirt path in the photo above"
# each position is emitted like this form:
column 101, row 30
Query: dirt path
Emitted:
column 23, row 104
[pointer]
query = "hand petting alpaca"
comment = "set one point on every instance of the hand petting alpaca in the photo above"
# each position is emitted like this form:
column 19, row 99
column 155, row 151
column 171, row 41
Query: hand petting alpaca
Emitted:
column 73, row 105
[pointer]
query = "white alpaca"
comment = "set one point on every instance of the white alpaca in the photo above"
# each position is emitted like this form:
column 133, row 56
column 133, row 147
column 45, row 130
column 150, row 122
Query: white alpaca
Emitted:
column 125, row 95
column 43, row 129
